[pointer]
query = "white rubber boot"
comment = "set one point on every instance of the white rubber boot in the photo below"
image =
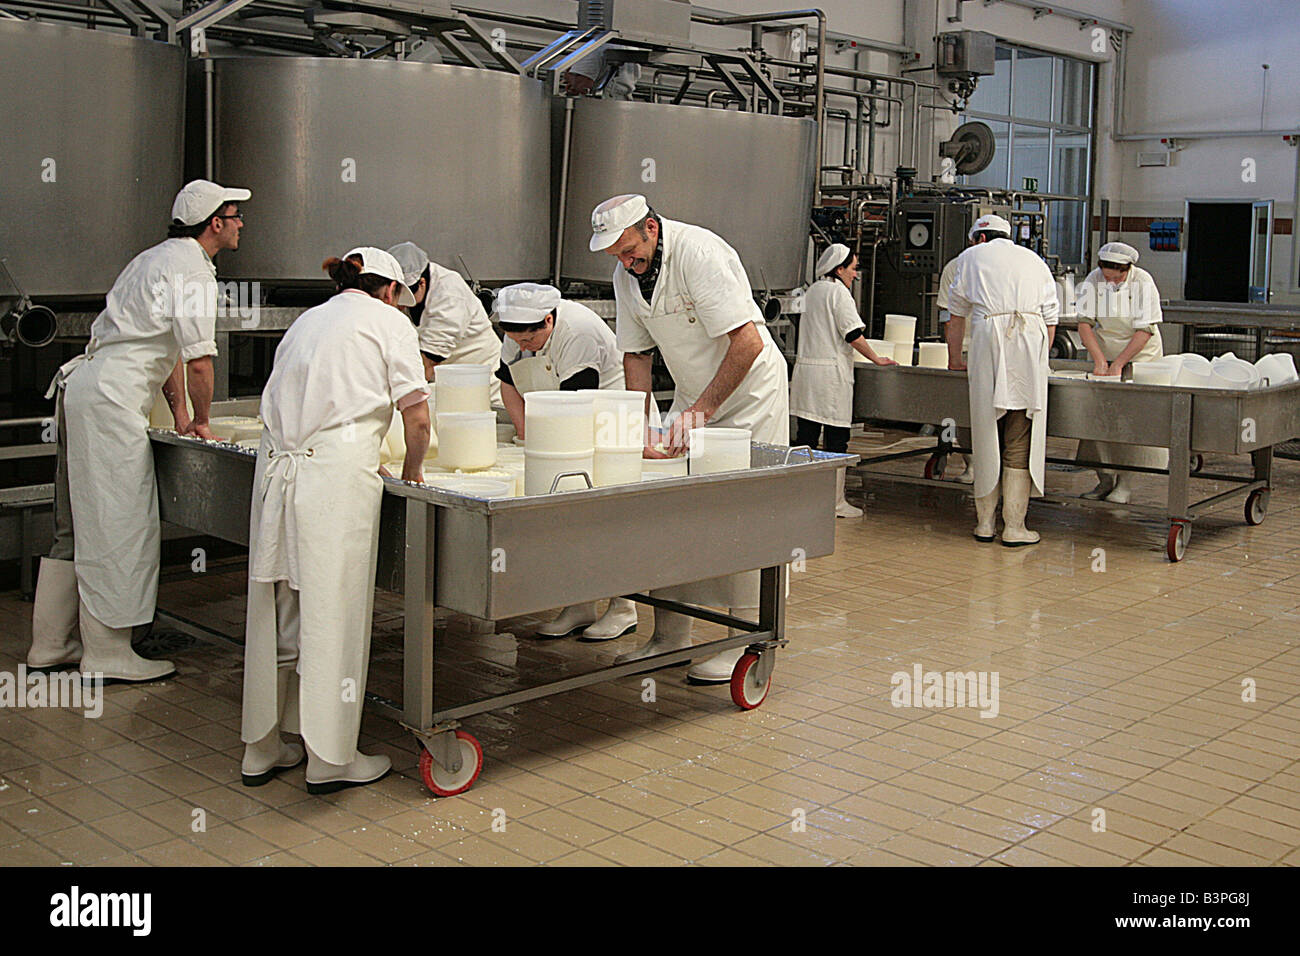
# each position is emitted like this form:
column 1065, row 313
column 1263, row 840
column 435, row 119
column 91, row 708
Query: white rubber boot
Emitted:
column 54, row 616
column 967, row 477
column 717, row 669
column 842, row 507
column 1105, row 483
column 986, row 512
column 262, row 760
column 1123, row 489
column 619, row 619
column 325, row 777
column 108, row 654
column 1015, row 505
column 572, row 618
column 672, row 633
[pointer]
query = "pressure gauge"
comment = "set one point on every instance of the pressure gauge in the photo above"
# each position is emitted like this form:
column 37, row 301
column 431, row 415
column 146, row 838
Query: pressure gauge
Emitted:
column 919, row 235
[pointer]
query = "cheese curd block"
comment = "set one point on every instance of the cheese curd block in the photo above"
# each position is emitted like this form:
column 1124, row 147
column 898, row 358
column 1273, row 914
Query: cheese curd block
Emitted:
column 498, row 474
column 230, row 428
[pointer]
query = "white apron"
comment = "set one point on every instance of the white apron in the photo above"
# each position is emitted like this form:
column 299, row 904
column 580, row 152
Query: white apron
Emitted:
column 108, row 392
column 1114, row 337
column 314, row 523
column 821, row 385
column 537, row 373
column 1007, row 370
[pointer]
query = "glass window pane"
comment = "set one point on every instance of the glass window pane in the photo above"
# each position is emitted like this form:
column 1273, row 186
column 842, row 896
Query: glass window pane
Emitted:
column 1073, row 97
column 995, row 175
column 1033, row 86
column 993, row 93
column 1070, row 164
column 1030, row 157
column 1065, row 231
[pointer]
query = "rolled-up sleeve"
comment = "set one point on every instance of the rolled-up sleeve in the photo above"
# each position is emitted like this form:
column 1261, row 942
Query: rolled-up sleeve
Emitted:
column 846, row 315
column 1146, row 304
column 1051, row 305
column 406, row 384
column 194, row 315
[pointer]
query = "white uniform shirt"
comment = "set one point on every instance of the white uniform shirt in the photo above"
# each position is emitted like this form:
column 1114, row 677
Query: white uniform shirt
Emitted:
column 1136, row 300
column 702, row 293
column 581, row 339
column 998, row 277
column 942, row 300
column 168, row 289
column 341, row 361
column 821, row 387
column 454, row 324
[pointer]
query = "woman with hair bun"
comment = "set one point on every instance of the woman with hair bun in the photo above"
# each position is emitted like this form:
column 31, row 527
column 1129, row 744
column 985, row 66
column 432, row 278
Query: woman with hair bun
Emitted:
column 314, row 527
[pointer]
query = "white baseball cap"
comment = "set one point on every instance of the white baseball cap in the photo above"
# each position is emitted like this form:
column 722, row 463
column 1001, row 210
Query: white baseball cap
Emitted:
column 610, row 218
column 1120, row 252
column 412, row 259
column 836, row 255
column 377, row 262
column 990, row 223
column 200, row 200
column 526, row 303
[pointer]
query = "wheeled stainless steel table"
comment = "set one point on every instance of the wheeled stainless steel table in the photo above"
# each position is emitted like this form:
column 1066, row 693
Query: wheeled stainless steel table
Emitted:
column 1188, row 421
column 502, row 558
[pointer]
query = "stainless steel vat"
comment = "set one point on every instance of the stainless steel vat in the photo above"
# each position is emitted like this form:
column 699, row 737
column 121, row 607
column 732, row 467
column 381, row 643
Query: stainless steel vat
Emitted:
column 746, row 176
column 340, row 153
column 92, row 126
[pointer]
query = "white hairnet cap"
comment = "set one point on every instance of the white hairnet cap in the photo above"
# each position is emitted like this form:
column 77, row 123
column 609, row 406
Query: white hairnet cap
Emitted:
column 990, row 223
column 526, row 303
column 836, row 255
column 201, row 199
column 610, row 218
column 1120, row 252
column 412, row 259
column 377, row 262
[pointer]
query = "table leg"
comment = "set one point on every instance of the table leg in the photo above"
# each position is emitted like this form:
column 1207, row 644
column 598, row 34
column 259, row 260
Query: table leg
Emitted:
column 417, row 636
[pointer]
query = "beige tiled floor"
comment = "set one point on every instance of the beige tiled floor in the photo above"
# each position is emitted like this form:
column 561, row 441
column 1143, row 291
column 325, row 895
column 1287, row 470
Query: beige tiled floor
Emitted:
column 1120, row 691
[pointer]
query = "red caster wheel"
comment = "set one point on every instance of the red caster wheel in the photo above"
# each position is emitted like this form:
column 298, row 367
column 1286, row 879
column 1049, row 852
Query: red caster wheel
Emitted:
column 1176, row 543
column 1256, row 506
column 934, row 466
column 747, row 689
column 443, row 783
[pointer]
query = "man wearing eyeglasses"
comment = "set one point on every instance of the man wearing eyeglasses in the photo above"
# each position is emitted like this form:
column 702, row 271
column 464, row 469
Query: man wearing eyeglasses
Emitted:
column 157, row 330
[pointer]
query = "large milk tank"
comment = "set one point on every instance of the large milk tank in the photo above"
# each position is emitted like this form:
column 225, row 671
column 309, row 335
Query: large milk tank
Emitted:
column 343, row 152
column 91, row 159
column 746, row 176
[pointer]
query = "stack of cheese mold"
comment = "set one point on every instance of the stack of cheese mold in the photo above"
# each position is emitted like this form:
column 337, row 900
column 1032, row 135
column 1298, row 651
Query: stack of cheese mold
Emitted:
column 718, row 449
column 559, row 437
column 900, row 330
column 619, row 421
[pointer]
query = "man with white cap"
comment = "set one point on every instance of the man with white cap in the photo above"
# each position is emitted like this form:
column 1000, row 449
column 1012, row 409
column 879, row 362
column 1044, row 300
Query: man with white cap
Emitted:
column 552, row 344
column 1009, row 296
column 821, row 386
column 1119, row 310
column 682, row 289
column 453, row 325
column 157, row 330
column 339, row 372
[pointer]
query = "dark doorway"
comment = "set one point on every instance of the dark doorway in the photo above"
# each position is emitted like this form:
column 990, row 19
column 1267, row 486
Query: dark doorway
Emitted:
column 1218, row 252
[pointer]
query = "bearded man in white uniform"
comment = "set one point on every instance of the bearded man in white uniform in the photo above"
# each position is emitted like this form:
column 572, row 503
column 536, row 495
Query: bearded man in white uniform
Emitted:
column 1009, row 296
column 682, row 289
column 158, row 323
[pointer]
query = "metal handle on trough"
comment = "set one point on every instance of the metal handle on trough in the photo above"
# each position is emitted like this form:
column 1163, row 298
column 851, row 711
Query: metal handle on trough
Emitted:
column 791, row 451
column 570, row 474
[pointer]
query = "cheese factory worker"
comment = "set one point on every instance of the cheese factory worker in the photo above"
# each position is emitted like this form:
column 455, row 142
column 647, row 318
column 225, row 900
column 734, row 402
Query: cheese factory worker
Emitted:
column 1119, row 311
column 158, row 324
column 554, row 345
column 821, row 386
column 941, row 301
column 1009, row 296
column 683, row 290
column 454, row 326
column 314, row 524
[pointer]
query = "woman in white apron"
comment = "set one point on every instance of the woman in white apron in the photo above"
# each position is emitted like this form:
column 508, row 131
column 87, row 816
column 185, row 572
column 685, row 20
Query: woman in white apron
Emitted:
column 1119, row 311
column 821, row 386
column 314, row 524
column 556, row 345
column 454, row 328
